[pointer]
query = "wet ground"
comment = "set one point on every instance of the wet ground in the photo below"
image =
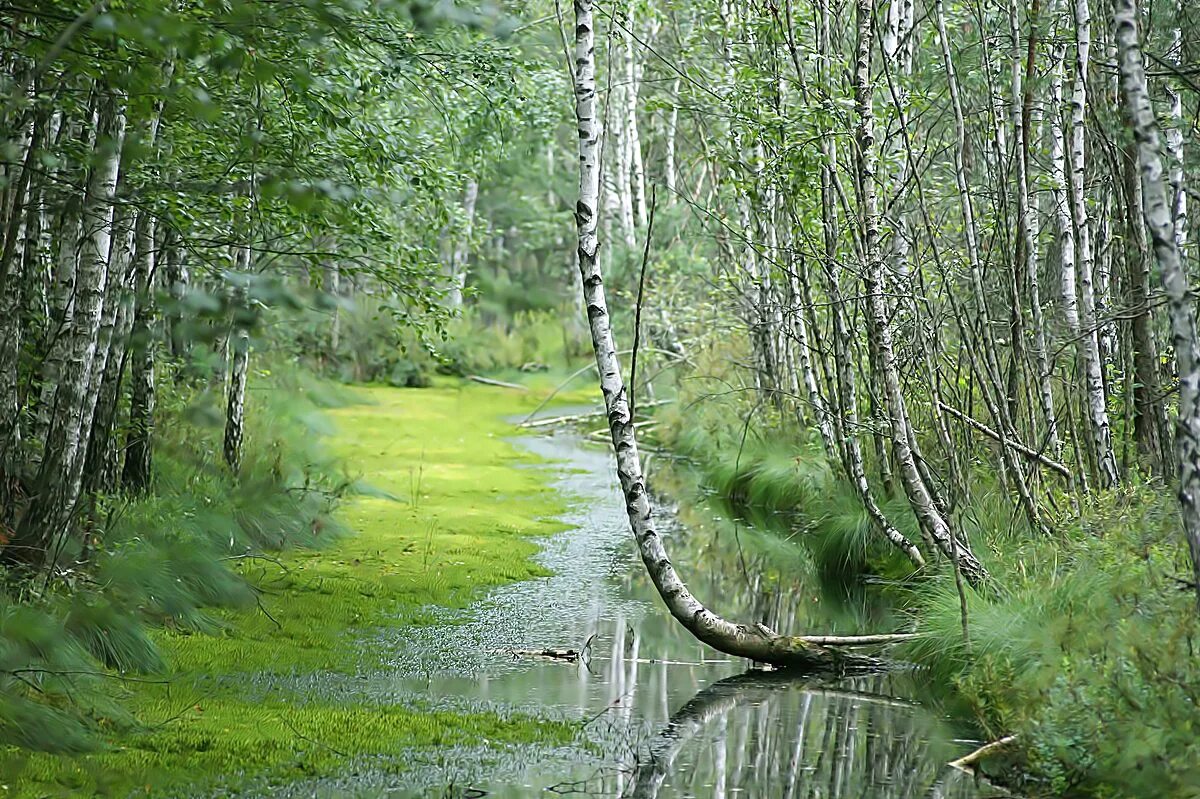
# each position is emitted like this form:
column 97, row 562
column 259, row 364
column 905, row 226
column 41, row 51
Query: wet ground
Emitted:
column 665, row 716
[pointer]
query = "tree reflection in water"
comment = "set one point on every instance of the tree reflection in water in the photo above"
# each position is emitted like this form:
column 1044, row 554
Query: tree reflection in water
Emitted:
column 769, row 734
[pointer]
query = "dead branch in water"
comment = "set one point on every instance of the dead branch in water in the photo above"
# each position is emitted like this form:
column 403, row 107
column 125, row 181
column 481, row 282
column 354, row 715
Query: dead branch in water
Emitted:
column 967, row 762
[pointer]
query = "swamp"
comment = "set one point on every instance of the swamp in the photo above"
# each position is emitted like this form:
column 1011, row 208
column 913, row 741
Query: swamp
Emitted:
column 646, row 398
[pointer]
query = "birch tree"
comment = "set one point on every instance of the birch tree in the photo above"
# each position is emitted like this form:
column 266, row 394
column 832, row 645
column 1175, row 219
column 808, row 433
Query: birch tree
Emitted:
column 752, row 641
column 61, row 469
column 1157, row 212
column 1097, row 400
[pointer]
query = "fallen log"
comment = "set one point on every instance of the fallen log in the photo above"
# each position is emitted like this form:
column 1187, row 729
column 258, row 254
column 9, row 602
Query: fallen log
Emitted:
column 557, row 653
column 581, row 417
column 565, row 655
column 487, row 381
column 859, row 640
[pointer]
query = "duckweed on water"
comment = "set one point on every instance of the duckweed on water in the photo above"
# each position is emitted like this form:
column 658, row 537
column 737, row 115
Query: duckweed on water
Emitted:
column 449, row 508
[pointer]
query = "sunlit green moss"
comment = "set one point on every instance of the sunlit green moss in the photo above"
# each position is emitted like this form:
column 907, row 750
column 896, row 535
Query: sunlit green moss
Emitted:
column 449, row 508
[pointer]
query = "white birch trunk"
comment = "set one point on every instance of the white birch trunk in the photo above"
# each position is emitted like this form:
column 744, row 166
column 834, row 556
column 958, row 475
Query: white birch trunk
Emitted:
column 670, row 168
column 97, row 464
column 61, row 301
column 1097, row 401
column 235, row 406
column 637, row 169
column 804, row 357
column 462, row 247
column 1157, row 212
column 617, row 126
column 53, row 505
column 752, row 641
column 1174, row 138
column 930, row 517
column 1062, row 205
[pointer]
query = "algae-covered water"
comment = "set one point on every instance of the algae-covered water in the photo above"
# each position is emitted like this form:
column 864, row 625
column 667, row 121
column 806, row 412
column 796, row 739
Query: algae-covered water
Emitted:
column 661, row 715
column 389, row 662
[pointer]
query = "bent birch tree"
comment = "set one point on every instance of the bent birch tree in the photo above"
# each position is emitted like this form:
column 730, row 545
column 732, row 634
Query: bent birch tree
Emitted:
column 754, row 641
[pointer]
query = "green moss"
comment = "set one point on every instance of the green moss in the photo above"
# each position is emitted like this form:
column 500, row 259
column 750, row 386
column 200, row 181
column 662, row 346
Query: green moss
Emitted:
column 450, row 513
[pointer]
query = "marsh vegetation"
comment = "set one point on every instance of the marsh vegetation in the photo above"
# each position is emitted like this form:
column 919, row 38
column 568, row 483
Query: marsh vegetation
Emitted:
column 643, row 398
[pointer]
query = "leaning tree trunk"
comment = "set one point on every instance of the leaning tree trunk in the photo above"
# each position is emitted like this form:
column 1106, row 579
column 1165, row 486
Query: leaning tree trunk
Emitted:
column 741, row 640
column 1156, row 209
column 934, row 523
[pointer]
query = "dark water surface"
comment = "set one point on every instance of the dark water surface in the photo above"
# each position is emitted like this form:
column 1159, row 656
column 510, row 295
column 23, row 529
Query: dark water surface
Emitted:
column 666, row 717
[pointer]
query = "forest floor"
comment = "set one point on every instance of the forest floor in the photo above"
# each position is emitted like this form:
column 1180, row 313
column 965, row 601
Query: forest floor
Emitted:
column 442, row 514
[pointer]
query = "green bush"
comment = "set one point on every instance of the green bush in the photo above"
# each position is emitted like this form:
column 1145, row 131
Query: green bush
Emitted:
column 162, row 559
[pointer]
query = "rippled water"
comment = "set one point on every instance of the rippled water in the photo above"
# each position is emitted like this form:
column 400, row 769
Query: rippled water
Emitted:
column 666, row 717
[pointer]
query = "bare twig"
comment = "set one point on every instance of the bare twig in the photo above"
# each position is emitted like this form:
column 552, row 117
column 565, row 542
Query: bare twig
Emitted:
column 637, row 312
column 1011, row 443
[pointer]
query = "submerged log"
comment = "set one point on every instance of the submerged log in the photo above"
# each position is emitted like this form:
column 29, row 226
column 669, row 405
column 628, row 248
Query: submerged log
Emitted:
column 487, row 381
column 564, row 655
column 583, row 417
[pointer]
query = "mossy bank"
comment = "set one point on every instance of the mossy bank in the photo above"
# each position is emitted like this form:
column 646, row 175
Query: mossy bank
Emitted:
column 443, row 511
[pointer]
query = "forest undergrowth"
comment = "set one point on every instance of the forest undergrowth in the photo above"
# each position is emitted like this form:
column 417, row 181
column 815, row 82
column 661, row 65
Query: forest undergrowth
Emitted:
column 1081, row 644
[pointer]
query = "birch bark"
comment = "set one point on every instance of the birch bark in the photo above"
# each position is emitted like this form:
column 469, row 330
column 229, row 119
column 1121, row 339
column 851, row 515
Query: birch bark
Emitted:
column 1174, row 137
column 633, row 81
column 753, row 641
column 53, row 505
column 1097, row 400
column 99, row 462
column 235, row 406
column 670, row 168
column 1157, row 212
column 930, row 517
column 462, row 247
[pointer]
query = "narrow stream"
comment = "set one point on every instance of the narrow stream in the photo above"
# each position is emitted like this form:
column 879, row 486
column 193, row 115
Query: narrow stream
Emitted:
column 666, row 717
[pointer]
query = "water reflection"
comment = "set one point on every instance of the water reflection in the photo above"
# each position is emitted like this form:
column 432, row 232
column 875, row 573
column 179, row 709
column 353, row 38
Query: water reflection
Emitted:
column 769, row 734
column 665, row 717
